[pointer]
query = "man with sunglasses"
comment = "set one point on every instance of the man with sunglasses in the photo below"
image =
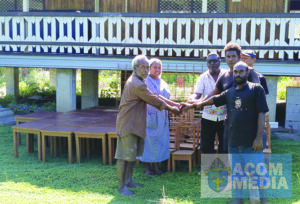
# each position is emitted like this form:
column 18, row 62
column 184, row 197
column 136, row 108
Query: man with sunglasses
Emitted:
column 213, row 117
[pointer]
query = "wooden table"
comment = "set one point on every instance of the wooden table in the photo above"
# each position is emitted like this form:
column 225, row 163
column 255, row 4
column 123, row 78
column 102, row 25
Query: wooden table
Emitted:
column 33, row 117
column 91, row 132
column 29, row 128
column 58, row 131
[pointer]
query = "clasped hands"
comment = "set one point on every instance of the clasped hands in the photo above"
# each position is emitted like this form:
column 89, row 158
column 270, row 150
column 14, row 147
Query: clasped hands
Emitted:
column 185, row 106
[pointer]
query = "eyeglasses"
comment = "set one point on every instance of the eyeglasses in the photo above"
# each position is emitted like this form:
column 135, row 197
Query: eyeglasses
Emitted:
column 212, row 61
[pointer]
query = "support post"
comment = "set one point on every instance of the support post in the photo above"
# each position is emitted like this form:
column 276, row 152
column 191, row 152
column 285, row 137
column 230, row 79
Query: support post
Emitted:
column 26, row 5
column 65, row 90
column 12, row 81
column 204, row 6
column 97, row 5
column 89, row 88
column 52, row 72
column 272, row 97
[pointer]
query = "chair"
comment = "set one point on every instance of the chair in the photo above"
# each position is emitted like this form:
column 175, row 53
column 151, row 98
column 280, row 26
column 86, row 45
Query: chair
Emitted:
column 186, row 143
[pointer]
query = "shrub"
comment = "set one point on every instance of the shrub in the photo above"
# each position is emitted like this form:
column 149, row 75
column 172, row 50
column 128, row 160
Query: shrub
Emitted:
column 281, row 88
column 6, row 100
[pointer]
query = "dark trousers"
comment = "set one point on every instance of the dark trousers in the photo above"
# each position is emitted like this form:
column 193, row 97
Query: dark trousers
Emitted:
column 208, row 134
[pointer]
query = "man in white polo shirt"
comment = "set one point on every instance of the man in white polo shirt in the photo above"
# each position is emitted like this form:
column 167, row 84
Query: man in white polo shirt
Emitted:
column 212, row 117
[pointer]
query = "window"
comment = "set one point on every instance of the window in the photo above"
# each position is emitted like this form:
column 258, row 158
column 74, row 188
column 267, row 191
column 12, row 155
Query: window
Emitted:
column 192, row 6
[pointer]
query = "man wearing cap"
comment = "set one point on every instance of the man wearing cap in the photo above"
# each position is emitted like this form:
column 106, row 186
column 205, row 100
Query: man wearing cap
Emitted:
column 249, row 57
column 212, row 117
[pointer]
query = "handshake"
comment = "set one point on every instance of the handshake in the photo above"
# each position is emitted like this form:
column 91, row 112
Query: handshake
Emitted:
column 178, row 108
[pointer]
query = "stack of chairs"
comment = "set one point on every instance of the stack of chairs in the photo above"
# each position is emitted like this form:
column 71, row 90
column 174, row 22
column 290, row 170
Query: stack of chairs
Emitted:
column 185, row 137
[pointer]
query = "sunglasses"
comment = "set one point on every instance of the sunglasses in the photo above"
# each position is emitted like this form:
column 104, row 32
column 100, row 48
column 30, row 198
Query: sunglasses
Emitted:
column 212, row 61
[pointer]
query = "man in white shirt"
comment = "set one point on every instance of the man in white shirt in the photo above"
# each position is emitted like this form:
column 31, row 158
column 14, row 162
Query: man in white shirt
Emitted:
column 212, row 117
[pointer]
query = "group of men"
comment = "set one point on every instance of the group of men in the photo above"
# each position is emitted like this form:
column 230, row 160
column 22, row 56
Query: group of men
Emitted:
column 234, row 107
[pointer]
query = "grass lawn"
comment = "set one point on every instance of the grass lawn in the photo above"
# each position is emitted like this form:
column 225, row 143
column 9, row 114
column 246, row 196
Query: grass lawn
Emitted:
column 27, row 180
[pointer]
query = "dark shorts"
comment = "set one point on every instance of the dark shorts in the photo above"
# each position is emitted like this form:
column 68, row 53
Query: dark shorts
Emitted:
column 129, row 147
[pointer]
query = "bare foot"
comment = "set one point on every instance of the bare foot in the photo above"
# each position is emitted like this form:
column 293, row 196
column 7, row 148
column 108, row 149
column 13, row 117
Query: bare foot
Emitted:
column 125, row 191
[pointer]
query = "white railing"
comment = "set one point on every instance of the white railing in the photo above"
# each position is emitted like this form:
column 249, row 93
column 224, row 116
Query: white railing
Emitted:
column 190, row 35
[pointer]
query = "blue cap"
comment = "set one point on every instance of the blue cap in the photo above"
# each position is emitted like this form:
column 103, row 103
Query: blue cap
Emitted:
column 250, row 53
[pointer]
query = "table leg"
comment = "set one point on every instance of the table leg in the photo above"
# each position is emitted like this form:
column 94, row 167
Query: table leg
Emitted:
column 54, row 147
column 15, row 137
column 18, row 135
column 39, row 146
column 51, row 145
column 109, row 150
column 70, row 148
column 44, row 147
column 31, row 143
column 27, row 143
column 88, row 153
column 77, row 141
column 104, row 149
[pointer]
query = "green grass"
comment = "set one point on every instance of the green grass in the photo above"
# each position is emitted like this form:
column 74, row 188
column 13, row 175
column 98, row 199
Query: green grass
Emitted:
column 27, row 180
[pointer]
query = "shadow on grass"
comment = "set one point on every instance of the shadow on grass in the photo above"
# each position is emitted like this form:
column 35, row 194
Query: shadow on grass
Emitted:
column 92, row 177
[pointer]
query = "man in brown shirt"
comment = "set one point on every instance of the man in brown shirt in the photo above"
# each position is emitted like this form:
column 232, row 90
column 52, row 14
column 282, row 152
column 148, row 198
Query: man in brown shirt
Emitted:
column 131, row 121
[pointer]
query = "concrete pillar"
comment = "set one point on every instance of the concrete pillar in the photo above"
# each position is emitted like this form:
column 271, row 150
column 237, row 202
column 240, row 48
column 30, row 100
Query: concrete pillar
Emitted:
column 292, row 117
column 12, row 81
column 89, row 88
column 52, row 72
column 272, row 97
column 65, row 90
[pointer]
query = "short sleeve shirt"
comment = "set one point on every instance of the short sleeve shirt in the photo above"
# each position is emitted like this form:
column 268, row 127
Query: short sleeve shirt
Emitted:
column 206, row 84
column 226, row 80
column 243, row 107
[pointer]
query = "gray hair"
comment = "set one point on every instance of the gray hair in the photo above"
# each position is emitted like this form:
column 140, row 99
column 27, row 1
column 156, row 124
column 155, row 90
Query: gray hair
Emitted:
column 137, row 59
column 153, row 60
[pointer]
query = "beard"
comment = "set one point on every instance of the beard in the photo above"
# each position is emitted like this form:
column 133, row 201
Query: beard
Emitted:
column 240, row 80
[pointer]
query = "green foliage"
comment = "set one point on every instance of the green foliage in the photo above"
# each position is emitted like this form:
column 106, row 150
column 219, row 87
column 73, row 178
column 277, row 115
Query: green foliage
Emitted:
column 281, row 88
column 36, row 84
column 49, row 106
column 24, row 108
column 6, row 100
column 2, row 76
column 111, row 84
